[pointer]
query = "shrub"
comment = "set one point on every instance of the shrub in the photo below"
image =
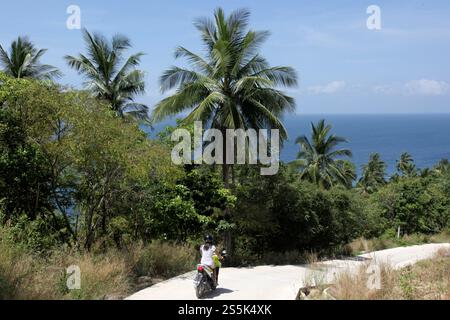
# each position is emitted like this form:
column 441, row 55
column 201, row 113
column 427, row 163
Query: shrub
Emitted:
column 38, row 235
column 415, row 204
column 281, row 214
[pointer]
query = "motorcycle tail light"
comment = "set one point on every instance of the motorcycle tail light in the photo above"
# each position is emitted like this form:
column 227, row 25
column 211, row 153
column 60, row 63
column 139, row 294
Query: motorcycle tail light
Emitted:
column 200, row 268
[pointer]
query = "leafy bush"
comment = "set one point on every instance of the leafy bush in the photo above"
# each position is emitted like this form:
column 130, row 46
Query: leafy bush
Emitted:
column 24, row 175
column 415, row 204
column 279, row 214
column 39, row 235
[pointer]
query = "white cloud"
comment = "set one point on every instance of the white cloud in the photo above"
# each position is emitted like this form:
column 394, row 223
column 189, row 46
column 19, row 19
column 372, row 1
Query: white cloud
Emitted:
column 332, row 87
column 427, row 87
column 422, row 87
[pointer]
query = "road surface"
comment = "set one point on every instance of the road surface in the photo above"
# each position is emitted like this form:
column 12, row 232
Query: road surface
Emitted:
column 282, row 282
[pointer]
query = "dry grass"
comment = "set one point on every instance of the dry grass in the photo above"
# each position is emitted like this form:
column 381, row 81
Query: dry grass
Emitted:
column 102, row 276
column 110, row 275
column 365, row 245
column 162, row 259
column 428, row 279
column 284, row 258
column 24, row 276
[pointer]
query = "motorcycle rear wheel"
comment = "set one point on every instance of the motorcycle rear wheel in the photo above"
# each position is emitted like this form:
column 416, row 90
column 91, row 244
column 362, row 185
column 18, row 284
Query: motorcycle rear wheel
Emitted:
column 200, row 290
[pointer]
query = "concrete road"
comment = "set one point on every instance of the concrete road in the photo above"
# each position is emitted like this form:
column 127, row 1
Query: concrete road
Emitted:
column 282, row 282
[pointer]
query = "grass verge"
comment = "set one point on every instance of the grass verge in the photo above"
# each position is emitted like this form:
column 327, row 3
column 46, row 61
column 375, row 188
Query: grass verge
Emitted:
column 425, row 280
column 362, row 245
column 110, row 275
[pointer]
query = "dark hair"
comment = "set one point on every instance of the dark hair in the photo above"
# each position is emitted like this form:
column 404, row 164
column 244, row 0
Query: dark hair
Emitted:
column 208, row 241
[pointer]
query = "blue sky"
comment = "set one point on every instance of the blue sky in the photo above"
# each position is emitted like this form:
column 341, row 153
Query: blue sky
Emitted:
column 343, row 66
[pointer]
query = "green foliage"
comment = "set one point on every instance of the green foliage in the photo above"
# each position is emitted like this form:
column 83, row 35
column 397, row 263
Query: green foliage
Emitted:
column 80, row 159
column 233, row 86
column 279, row 213
column 405, row 165
column 74, row 175
column 317, row 219
column 207, row 191
column 22, row 61
column 37, row 236
column 173, row 215
column 318, row 159
column 373, row 175
column 416, row 205
column 24, row 174
column 117, row 84
column 59, row 185
column 182, row 211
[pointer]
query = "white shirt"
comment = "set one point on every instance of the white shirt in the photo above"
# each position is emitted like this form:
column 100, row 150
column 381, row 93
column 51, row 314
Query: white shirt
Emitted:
column 207, row 255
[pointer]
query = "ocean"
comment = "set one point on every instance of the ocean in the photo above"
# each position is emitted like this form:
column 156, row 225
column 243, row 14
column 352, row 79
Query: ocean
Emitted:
column 425, row 136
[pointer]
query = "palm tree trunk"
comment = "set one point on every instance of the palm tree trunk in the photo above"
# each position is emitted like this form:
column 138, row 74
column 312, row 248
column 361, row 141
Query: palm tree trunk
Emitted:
column 226, row 175
column 227, row 236
column 233, row 177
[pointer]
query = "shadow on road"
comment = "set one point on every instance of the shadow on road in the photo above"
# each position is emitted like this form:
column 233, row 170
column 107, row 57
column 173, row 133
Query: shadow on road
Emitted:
column 218, row 292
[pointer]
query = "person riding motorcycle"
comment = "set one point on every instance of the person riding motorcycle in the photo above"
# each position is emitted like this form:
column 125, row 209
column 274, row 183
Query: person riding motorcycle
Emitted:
column 210, row 257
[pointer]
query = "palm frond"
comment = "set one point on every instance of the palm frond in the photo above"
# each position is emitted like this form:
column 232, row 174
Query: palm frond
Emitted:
column 176, row 76
column 22, row 61
column 107, row 78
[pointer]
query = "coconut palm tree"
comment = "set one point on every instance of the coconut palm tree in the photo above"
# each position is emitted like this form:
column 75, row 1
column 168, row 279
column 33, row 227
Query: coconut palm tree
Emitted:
column 232, row 86
column 406, row 166
column 373, row 174
column 110, row 75
column 22, row 61
column 349, row 172
column 318, row 159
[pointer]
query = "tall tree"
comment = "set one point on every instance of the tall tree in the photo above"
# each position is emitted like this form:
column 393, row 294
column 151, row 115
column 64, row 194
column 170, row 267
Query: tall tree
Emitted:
column 22, row 61
column 233, row 86
column 406, row 166
column 108, row 76
column 373, row 175
column 349, row 171
column 319, row 160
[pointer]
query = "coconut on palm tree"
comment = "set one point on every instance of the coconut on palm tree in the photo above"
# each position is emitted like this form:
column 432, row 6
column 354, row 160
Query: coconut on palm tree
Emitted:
column 232, row 86
column 110, row 75
column 319, row 161
column 23, row 61
column 373, row 174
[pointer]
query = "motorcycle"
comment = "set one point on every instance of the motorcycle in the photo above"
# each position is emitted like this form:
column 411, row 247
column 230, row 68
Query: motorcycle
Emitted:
column 205, row 279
